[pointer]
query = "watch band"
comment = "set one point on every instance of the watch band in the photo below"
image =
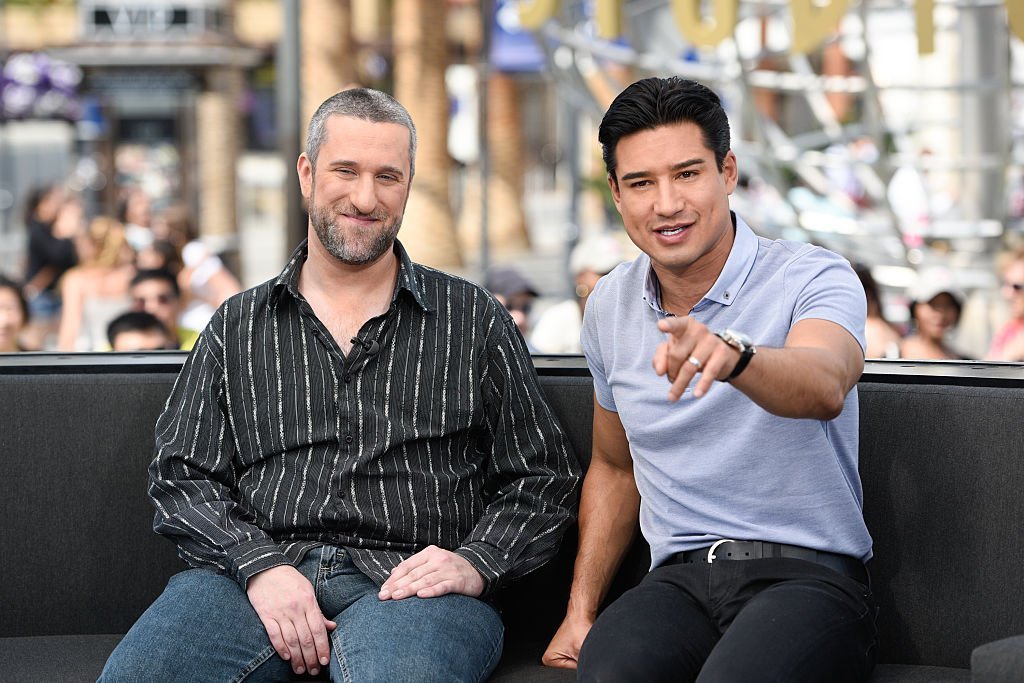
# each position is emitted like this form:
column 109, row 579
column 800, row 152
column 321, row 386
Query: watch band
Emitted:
column 741, row 343
column 746, row 353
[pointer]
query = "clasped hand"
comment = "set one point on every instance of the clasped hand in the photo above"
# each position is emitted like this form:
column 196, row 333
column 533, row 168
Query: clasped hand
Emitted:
column 430, row 573
column 691, row 348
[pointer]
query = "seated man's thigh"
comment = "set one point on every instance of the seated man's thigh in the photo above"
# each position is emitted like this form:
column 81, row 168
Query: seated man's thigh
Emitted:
column 654, row 632
column 446, row 639
column 813, row 629
column 202, row 627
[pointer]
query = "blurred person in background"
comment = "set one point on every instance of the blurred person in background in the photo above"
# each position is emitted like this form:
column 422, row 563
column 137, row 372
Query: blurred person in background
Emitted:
column 14, row 316
column 136, row 215
column 51, row 252
column 558, row 328
column 96, row 290
column 934, row 313
column 205, row 282
column 161, row 254
column 139, row 331
column 1008, row 343
column 156, row 292
column 883, row 340
column 516, row 294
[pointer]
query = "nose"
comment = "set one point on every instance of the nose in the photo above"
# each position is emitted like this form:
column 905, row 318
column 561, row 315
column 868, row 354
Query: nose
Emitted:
column 364, row 193
column 668, row 202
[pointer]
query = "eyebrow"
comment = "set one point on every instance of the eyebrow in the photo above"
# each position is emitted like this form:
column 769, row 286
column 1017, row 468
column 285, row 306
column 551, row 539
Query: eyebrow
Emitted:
column 676, row 167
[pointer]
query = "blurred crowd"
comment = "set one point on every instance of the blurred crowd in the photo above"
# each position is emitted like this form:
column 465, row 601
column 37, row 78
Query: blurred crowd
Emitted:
column 142, row 280
column 934, row 308
column 138, row 280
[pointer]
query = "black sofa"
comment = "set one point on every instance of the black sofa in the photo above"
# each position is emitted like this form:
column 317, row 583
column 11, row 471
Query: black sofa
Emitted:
column 942, row 460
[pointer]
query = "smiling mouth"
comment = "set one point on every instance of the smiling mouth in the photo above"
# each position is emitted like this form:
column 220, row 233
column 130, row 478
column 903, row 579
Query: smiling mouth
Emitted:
column 674, row 230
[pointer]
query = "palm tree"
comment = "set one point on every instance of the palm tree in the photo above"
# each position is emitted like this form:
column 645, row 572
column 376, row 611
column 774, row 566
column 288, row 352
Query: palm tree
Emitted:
column 327, row 51
column 421, row 59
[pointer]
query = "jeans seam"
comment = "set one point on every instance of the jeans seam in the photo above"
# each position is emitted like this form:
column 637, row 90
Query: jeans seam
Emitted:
column 255, row 663
column 346, row 675
column 494, row 657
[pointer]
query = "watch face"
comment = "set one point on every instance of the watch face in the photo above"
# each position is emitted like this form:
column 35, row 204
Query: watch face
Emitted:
column 738, row 337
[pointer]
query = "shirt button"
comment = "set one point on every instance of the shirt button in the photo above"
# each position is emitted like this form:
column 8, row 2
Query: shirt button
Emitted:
column 348, row 438
column 348, row 378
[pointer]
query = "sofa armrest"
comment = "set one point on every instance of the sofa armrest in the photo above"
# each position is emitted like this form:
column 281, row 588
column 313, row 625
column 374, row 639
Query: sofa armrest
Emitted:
column 1001, row 661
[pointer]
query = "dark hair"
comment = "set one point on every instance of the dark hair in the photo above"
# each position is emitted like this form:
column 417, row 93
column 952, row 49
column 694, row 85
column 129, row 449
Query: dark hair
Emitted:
column 654, row 102
column 6, row 283
column 35, row 197
column 871, row 294
column 134, row 321
column 158, row 274
column 912, row 306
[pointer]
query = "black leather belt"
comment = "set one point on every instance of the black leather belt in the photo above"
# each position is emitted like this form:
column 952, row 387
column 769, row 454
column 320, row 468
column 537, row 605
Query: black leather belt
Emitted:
column 759, row 550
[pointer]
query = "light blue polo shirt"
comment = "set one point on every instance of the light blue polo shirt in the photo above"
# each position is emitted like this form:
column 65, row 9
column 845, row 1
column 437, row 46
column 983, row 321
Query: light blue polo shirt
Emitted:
column 721, row 466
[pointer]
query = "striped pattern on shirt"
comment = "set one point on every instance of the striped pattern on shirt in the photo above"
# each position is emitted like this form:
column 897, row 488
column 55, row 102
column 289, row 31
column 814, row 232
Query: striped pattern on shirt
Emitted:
column 273, row 442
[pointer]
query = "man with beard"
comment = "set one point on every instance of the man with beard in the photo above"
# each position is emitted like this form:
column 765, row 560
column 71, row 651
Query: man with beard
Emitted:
column 355, row 455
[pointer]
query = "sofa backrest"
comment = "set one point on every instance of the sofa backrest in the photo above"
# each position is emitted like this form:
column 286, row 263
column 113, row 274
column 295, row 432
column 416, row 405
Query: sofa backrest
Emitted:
column 942, row 463
column 77, row 542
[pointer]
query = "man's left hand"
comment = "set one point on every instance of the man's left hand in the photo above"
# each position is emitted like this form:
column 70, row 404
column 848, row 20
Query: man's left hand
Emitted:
column 430, row 573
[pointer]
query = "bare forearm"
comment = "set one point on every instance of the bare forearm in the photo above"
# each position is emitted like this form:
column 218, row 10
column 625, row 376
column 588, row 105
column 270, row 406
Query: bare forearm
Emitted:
column 609, row 510
column 799, row 382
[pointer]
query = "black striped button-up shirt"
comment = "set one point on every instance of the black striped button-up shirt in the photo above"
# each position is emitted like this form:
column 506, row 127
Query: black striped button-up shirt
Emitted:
column 433, row 430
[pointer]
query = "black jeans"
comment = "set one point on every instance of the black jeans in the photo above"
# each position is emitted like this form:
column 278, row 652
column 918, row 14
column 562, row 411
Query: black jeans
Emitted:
column 735, row 621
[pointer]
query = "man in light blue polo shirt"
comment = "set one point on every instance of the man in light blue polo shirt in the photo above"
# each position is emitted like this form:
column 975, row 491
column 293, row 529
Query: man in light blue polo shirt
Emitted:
column 725, row 421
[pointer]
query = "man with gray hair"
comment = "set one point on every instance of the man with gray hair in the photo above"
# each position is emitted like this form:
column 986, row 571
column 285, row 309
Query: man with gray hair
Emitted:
column 356, row 455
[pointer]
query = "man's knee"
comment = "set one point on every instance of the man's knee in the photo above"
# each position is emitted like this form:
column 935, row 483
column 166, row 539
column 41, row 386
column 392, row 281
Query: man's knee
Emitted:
column 451, row 638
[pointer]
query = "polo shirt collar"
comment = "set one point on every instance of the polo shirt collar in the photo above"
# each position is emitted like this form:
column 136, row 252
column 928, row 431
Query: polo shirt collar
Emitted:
column 407, row 282
column 733, row 275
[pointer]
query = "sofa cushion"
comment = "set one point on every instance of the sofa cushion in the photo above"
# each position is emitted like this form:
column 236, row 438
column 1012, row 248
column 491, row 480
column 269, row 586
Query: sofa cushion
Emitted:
column 68, row 659
column 80, row 659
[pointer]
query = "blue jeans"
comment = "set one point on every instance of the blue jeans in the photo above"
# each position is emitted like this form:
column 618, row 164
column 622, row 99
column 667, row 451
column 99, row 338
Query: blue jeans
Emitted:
column 781, row 620
column 203, row 628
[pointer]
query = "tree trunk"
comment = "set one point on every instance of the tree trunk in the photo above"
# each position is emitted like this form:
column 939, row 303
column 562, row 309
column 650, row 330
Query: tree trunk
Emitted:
column 327, row 52
column 421, row 58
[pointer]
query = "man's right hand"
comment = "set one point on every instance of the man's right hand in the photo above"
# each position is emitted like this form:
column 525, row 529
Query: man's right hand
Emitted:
column 286, row 604
column 564, row 649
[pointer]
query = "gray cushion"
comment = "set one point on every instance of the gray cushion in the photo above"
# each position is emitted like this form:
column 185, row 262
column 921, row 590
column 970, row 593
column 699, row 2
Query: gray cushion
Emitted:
column 999, row 662
column 79, row 659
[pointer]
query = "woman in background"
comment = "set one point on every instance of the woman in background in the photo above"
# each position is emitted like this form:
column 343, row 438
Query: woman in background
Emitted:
column 1008, row 344
column 934, row 312
column 51, row 252
column 14, row 316
column 96, row 290
column 883, row 340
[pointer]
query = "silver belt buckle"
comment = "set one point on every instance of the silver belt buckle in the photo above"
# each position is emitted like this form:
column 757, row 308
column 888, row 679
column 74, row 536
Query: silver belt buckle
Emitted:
column 711, row 551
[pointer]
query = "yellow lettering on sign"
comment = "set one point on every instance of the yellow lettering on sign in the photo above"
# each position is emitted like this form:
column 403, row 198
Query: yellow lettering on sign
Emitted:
column 1015, row 13
column 533, row 13
column 813, row 23
column 609, row 19
column 924, row 11
column 699, row 30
